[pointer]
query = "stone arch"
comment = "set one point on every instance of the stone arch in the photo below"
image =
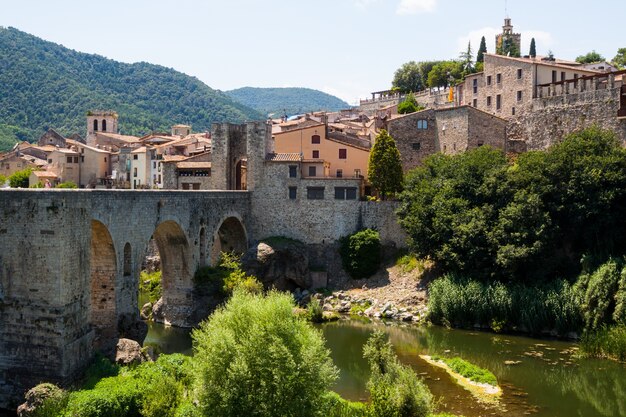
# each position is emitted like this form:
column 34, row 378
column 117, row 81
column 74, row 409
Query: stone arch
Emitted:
column 176, row 279
column 103, row 272
column 104, row 125
column 95, row 125
column 230, row 236
column 128, row 260
column 203, row 245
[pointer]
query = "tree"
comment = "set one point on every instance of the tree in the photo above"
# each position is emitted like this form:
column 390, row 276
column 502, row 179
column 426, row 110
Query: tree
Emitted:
column 533, row 49
column 360, row 253
column 384, row 169
column 482, row 49
column 409, row 105
column 445, row 73
column 467, row 60
column 408, row 78
column 254, row 357
column 395, row 389
column 620, row 59
column 590, row 58
column 19, row 179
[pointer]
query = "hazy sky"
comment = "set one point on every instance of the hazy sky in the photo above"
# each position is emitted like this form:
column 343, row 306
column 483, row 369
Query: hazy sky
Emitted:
column 344, row 47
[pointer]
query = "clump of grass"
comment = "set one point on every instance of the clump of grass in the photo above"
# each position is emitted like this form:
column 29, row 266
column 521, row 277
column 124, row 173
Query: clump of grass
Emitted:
column 606, row 342
column 468, row 370
column 150, row 283
column 407, row 263
column 315, row 312
column 360, row 307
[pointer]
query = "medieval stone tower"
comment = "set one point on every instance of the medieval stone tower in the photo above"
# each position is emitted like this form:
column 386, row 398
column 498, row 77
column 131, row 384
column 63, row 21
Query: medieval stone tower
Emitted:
column 101, row 121
column 507, row 42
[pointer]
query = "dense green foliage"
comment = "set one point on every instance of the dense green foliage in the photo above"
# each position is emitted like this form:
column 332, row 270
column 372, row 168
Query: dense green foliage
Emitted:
column 19, row 179
column 408, row 105
column 227, row 276
column 67, row 184
column 533, row 49
column 254, row 357
column 335, row 406
column 462, row 302
column 46, row 85
column 360, row 253
column 482, row 49
column 150, row 283
column 445, row 74
column 507, row 47
column 478, row 215
column 590, row 58
column 384, row 167
column 395, row 390
column 47, row 399
column 469, row 370
column 409, row 78
column 620, row 59
column 606, row 342
column 290, row 100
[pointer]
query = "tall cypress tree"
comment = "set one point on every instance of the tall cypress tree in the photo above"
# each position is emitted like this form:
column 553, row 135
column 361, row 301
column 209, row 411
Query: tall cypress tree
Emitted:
column 480, row 56
column 533, row 49
column 384, row 169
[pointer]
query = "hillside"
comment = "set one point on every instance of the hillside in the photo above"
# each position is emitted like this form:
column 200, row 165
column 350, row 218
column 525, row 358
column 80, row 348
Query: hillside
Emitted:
column 290, row 100
column 43, row 85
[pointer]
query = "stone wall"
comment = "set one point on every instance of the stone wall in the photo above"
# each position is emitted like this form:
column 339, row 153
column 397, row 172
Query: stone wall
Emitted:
column 414, row 144
column 550, row 119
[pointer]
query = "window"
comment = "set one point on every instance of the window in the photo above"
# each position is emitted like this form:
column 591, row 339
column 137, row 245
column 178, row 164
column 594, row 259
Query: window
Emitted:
column 498, row 102
column 475, row 102
column 134, row 172
column 316, row 155
column 135, row 157
column 575, row 80
column 553, row 76
column 519, row 74
column 343, row 153
column 312, row 171
column 475, row 85
column 345, row 193
column 49, row 161
column 95, row 126
column 105, row 159
column 69, row 159
column 315, row 193
column 513, row 111
column 416, row 146
column 340, row 173
column 293, row 193
column 498, row 78
column 357, row 173
column 153, row 164
column 422, row 124
column 104, row 125
column 562, row 75
column 315, row 139
column 293, row 171
column 488, row 79
column 488, row 101
column 75, row 159
column 519, row 95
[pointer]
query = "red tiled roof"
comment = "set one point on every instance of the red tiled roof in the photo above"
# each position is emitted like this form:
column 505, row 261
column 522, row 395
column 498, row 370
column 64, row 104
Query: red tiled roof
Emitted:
column 283, row 157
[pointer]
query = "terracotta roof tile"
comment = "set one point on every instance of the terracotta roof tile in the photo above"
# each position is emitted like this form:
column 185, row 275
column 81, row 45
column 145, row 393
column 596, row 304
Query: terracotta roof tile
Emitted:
column 283, row 157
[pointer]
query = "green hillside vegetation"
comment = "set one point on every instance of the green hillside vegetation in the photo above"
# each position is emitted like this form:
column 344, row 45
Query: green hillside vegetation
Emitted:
column 47, row 85
column 290, row 100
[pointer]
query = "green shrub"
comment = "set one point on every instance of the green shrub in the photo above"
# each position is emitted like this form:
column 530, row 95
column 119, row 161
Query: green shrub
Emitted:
column 314, row 310
column 100, row 368
column 19, row 179
column 67, row 184
column 395, row 390
column 360, row 253
column 407, row 263
column 254, row 357
column 469, row 370
column 3, row 180
column 111, row 397
column 619, row 315
column 150, row 283
column 47, row 399
column 335, row 406
column 600, row 289
column 606, row 342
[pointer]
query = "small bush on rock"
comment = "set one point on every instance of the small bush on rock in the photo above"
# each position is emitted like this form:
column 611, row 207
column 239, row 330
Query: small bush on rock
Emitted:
column 360, row 253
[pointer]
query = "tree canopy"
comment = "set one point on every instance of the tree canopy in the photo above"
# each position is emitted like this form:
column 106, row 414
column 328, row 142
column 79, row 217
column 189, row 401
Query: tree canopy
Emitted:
column 620, row 59
column 445, row 73
column 590, row 58
column 482, row 49
column 409, row 105
column 384, row 169
column 408, row 78
column 477, row 214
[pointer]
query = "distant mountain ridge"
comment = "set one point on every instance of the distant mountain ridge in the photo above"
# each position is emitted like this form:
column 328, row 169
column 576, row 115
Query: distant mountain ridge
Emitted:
column 43, row 84
column 291, row 100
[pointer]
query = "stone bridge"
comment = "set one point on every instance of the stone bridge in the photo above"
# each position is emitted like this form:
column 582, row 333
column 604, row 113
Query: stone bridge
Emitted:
column 70, row 262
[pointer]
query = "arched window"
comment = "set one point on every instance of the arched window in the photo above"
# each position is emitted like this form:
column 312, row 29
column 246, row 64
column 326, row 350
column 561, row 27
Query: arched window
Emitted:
column 95, row 125
column 127, row 260
column 104, row 125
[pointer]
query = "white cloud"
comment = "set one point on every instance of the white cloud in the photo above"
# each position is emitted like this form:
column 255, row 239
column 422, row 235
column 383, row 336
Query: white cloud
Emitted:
column 416, row 6
column 364, row 4
column 544, row 40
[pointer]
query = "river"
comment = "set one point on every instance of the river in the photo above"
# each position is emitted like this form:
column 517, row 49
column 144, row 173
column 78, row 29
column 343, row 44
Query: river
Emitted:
column 548, row 381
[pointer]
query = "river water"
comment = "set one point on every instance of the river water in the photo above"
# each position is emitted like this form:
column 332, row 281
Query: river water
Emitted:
column 548, row 381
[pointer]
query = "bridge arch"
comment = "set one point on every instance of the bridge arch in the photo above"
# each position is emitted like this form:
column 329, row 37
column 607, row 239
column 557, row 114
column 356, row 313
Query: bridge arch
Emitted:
column 177, row 272
column 103, row 273
column 230, row 236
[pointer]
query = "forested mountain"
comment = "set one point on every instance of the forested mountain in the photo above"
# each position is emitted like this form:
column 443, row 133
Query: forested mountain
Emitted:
column 289, row 100
column 43, row 85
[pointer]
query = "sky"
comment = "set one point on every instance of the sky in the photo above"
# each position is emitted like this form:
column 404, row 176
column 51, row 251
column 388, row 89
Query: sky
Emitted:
column 347, row 48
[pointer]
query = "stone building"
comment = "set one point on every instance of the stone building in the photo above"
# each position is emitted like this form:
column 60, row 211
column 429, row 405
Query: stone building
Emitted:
column 449, row 131
column 187, row 173
column 52, row 138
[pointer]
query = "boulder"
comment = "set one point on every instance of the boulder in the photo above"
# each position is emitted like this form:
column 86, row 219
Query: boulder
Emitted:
column 283, row 264
column 36, row 396
column 128, row 352
column 146, row 311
